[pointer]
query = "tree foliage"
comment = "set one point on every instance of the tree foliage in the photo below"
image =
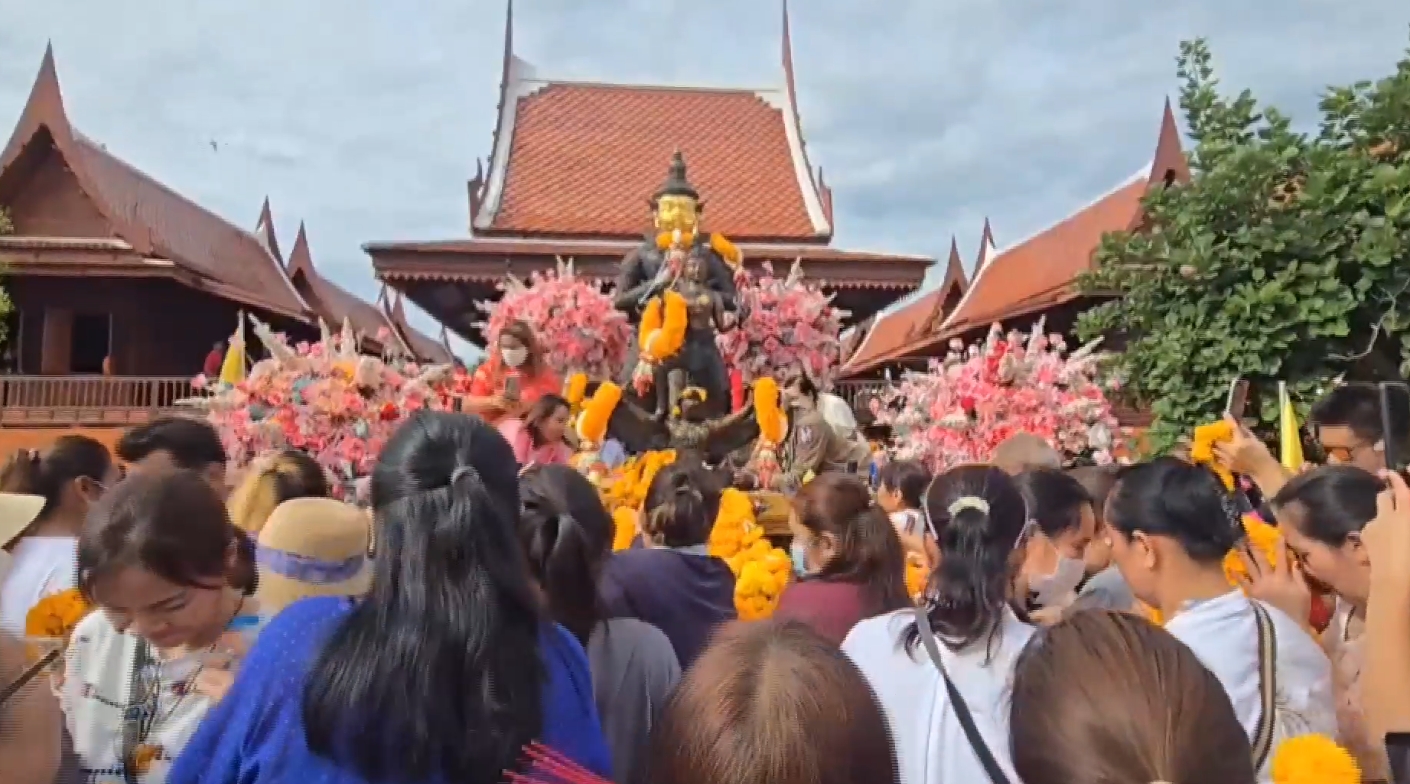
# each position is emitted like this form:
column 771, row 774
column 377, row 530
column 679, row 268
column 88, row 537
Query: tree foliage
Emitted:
column 1287, row 257
column 6, row 227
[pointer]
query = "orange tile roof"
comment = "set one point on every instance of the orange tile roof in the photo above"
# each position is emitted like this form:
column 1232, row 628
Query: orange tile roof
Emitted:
column 153, row 219
column 586, row 158
column 916, row 319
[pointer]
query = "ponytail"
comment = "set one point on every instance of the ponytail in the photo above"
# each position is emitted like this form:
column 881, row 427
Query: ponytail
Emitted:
column 977, row 517
column 47, row 475
column 565, row 533
column 681, row 505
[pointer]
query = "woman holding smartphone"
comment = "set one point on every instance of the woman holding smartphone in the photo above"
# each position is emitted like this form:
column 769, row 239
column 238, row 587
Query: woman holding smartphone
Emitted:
column 512, row 379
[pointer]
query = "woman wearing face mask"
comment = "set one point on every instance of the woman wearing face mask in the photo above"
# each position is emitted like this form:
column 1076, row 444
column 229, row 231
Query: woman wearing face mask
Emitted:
column 847, row 556
column 512, row 378
column 61, row 484
column 1321, row 514
column 1062, row 523
column 171, row 577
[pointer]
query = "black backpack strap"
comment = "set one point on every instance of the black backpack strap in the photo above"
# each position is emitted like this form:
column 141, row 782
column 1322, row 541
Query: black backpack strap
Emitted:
column 1267, row 686
column 957, row 703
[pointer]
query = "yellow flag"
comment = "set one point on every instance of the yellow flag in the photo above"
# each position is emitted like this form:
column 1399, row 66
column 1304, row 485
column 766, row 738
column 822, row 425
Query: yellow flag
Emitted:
column 1288, row 435
column 232, row 370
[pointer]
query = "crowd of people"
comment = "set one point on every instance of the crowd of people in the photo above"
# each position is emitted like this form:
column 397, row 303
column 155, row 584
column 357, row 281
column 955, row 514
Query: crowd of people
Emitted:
column 475, row 614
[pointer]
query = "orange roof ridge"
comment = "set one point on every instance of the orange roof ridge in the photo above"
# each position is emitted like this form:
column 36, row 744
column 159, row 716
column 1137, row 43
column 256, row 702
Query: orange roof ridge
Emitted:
column 580, row 158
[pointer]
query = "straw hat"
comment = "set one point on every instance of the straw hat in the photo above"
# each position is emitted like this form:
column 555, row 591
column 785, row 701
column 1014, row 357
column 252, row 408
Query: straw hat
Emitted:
column 17, row 511
column 312, row 547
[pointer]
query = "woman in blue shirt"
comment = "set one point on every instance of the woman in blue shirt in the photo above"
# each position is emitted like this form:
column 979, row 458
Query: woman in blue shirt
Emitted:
column 442, row 673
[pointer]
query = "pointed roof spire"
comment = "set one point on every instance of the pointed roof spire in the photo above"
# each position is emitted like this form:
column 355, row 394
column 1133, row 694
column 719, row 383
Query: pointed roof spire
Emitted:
column 954, row 265
column 45, row 107
column 264, row 230
column 787, row 52
column 300, row 259
column 986, row 247
column 1168, row 165
column 677, row 183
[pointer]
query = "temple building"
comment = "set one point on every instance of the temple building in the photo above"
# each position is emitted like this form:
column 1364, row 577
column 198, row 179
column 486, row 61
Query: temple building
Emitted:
column 573, row 165
column 121, row 286
column 1017, row 285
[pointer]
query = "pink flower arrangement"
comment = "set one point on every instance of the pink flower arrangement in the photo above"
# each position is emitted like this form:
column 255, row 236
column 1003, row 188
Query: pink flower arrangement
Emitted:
column 576, row 323
column 323, row 398
column 788, row 325
column 977, row 396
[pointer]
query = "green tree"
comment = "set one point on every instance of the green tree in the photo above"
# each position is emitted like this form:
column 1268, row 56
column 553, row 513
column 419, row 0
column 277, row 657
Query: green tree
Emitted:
column 1286, row 257
column 6, row 227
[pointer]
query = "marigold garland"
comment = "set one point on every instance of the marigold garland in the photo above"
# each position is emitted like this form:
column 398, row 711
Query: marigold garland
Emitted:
column 728, row 251
column 1202, row 448
column 56, row 615
column 917, row 575
column 575, row 390
column 767, row 411
column 668, row 335
column 624, row 519
column 666, row 239
column 597, row 412
column 1313, row 759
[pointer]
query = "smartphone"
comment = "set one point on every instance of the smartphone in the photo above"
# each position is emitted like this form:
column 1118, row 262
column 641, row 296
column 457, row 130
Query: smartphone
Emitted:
column 511, row 387
column 1393, row 394
column 1398, row 750
column 1237, row 400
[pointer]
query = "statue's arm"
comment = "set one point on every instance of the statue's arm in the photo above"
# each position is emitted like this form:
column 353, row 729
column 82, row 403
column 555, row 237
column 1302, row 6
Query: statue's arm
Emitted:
column 630, row 282
column 722, row 281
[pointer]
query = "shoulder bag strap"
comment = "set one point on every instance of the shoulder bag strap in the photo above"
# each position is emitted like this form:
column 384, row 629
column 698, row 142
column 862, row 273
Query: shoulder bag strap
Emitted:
column 1267, row 686
column 971, row 732
column 136, row 721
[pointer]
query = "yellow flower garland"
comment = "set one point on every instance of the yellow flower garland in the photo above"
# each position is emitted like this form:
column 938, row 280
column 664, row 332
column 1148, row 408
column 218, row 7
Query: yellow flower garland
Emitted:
column 597, row 412
column 1313, row 759
column 575, row 390
column 624, row 520
column 56, row 615
column 663, row 327
column 727, row 250
column 1202, row 449
column 767, row 411
column 916, row 575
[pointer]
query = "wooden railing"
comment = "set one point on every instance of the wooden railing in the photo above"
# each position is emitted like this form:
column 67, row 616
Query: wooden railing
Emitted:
column 38, row 401
column 851, row 389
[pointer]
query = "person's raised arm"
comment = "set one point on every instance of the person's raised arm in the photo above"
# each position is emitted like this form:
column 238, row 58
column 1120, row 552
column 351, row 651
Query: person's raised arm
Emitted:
column 1385, row 684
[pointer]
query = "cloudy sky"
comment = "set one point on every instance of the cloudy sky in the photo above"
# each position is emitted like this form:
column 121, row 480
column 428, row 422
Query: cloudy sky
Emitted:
column 364, row 118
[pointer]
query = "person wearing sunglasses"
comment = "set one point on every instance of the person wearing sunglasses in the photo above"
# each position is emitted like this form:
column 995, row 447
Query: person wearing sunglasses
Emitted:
column 1347, row 424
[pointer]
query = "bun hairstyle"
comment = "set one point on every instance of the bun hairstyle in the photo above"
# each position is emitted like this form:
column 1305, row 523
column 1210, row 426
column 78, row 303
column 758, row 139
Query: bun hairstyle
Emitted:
column 1054, row 500
column 436, row 673
column 1184, row 502
column 977, row 516
column 868, row 550
column 1331, row 502
column 1155, row 713
column 566, row 533
column 681, row 505
column 171, row 524
column 49, row 473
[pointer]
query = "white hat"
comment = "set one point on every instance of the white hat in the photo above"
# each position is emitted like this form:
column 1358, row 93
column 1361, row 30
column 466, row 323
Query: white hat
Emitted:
column 17, row 511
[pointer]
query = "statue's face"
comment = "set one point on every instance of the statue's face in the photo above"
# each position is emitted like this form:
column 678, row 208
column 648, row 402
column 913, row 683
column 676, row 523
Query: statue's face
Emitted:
column 695, row 268
column 676, row 212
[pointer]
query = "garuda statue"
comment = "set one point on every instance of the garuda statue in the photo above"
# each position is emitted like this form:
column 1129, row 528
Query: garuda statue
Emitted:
column 683, row 264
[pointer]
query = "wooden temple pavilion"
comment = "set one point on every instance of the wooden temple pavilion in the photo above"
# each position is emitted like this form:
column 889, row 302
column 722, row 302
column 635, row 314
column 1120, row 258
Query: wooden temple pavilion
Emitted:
column 573, row 165
column 121, row 286
column 1021, row 283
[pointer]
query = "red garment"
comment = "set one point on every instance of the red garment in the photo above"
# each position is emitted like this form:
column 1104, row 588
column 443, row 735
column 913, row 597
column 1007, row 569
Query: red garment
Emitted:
column 489, row 380
column 832, row 608
column 213, row 362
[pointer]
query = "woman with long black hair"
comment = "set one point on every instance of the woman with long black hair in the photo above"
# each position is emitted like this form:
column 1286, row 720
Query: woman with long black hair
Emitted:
column 442, row 673
column 941, row 670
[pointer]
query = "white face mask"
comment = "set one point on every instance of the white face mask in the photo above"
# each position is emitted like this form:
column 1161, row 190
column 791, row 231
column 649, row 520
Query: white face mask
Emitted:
column 514, row 357
column 1053, row 588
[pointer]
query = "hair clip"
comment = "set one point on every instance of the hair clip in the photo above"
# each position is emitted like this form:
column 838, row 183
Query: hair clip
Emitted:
column 968, row 502
column 462, row 471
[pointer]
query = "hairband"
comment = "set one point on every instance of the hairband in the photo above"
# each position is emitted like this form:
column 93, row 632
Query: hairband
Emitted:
column 968, row 502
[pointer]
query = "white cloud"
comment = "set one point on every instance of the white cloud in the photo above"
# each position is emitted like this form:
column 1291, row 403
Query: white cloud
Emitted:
column 365, row 119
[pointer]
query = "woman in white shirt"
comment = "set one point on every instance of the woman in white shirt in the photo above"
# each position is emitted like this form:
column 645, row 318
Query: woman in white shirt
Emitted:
column 70, row 476
column 1171, row 524
column 954, row 732
column 172, row 578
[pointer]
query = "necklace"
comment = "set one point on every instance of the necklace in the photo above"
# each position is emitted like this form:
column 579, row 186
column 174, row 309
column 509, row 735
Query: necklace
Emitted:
column 144, row 715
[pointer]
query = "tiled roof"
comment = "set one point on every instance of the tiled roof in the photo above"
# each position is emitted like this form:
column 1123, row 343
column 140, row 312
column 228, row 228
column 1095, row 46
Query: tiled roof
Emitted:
column 155, row 220
column 586, row 158
column 332, row 302
column 583, row 159
column 893, row 330
column 422, row 346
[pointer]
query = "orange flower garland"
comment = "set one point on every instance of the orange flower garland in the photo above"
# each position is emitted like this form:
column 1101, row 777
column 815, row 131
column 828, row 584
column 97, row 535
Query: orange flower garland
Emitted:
column 575, row 390
column 727, row 250
column 1262, row 537
column 56, row 615
column 597, row 412
column 767, row 412
column 1313, row 759
column 1202, row 449
column 663, row 327
column 917, row 575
